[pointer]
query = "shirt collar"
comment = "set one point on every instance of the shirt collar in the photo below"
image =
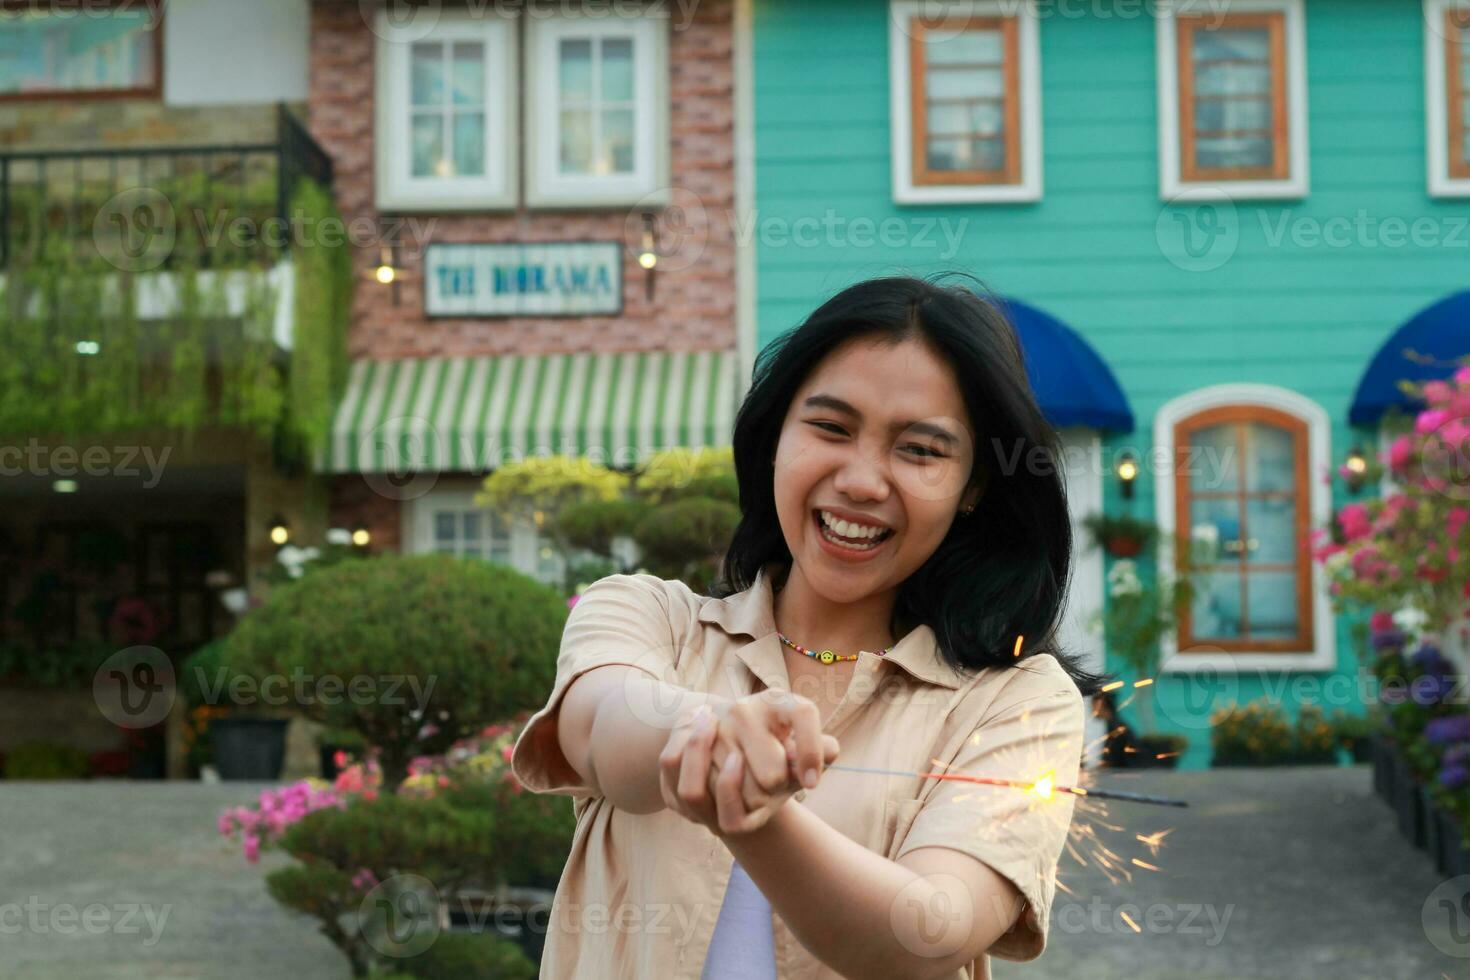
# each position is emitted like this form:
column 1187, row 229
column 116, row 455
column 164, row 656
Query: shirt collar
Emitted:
column 752, row 613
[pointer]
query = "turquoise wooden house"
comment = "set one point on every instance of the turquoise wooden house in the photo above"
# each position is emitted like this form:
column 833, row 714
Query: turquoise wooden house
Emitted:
column 1218, row 226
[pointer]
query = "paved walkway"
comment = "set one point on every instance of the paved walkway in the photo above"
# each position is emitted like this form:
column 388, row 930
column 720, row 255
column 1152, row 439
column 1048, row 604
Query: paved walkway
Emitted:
column 1271, row 873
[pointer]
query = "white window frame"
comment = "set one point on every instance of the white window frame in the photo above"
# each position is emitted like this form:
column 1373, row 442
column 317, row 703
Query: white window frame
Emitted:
column 648, row 184
column 418, row 520
column 1028, row 73
column 397, row 189
column 1323, row 656
column 1166, row 35
column 1436, row 103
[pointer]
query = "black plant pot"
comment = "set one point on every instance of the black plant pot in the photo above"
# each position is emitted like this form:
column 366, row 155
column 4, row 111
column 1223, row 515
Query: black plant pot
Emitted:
column 249, row 748
column 1410, row 806
column 1454, row 859
column 1382, row 769
column 1433, row 846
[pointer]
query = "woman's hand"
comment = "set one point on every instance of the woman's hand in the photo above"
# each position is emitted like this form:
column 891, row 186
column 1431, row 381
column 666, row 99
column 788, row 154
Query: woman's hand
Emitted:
column 731, row 765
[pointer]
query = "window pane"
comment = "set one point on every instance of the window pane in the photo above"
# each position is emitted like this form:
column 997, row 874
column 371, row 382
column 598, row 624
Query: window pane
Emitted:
column 428, row 145
column 1212, row 462
column 1270, row 525
column 576, row 71
column 1273, row 605
column 426, row 74
column 963, row 83
column 1215, row 613
column 469, row 143
column 1233, row 115
column 966, row 47
column 472, row 523
column 469, row 73
column 46, row 52
column 1234, row 153
column 444, row 526
column 1215, row 530
column 617, row 141
column 953, row 119
column 617, row 69
column 1232, row 78
column 576, row 141
column 1271, row 462
column 1232, row 44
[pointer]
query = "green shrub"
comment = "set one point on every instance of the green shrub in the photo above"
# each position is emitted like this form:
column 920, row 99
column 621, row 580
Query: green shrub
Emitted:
column 46, row 760
column 457, row 955
column 447, row 645
column 1315, row 742
column 1256, row 734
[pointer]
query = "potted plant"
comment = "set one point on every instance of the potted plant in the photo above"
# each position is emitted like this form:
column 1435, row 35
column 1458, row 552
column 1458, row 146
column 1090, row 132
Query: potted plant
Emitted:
column 246, row 740
column 1120, row 535
column 1140, row 612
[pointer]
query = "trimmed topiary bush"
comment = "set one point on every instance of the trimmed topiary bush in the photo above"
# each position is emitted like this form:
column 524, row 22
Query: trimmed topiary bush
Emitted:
column 413, row 652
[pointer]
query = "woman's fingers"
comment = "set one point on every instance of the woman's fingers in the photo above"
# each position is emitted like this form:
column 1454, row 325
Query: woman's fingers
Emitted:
column 694, row 769
column 729, row 802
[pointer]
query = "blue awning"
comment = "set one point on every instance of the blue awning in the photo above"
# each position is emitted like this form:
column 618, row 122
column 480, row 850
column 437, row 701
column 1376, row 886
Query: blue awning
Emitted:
column 1073, row 384
column 1426, row 348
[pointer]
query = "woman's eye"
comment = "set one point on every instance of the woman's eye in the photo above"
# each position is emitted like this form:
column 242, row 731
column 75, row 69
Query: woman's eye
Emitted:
column 923, row 451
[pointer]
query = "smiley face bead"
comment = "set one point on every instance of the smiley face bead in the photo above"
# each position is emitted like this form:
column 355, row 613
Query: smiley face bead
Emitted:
column 826, row 656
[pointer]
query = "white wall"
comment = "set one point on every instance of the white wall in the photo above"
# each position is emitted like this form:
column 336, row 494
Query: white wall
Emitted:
column 234, row 51
column 1078, row 634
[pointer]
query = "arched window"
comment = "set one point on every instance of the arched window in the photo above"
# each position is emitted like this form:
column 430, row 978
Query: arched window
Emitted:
column 1240, row 503
column 1242, row 496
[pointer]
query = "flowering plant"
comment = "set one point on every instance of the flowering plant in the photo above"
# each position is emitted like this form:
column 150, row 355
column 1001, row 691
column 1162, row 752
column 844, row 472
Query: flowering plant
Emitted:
column 484, row 757
column 1412, row 548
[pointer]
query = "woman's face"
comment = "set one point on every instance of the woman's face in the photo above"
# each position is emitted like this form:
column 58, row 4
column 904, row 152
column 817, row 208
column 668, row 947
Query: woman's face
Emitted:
column 879, row 433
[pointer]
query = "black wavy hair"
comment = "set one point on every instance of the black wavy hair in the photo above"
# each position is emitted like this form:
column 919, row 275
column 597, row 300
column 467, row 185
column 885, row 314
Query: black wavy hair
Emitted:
column 999, row 573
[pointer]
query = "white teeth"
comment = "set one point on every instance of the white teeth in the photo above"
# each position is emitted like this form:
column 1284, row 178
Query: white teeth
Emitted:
column 848, row 544
column 850, row 530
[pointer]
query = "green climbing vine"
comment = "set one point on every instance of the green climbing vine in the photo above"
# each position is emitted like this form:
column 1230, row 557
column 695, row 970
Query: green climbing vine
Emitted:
column 76, row 358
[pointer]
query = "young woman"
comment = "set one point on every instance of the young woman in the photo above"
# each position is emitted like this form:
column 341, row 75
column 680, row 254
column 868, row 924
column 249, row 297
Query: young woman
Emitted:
column 891, row 594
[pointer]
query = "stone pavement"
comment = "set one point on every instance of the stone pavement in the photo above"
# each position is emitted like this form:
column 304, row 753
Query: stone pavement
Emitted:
column 1288, row 873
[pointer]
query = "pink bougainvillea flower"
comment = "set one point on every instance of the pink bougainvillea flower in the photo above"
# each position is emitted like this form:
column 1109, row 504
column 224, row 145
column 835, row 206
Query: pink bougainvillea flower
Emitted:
column 1462, row 375
column 1437, row 392
column 1430, row 420
column 1400, row 454
column 1381, row 621
column 1355, row 521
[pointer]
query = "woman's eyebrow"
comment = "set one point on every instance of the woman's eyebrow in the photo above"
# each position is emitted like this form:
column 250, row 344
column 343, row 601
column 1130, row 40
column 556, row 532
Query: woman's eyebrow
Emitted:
column 838, row 405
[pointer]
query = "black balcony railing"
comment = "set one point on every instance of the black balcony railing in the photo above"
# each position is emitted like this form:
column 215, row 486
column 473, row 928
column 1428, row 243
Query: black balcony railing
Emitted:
column 150, row 207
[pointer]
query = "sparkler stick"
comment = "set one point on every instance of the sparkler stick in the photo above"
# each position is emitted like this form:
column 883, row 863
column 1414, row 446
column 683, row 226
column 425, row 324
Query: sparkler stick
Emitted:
column 1042, row 787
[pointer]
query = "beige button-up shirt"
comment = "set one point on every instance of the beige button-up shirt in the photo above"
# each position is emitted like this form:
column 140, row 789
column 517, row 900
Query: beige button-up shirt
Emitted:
column 640, row 894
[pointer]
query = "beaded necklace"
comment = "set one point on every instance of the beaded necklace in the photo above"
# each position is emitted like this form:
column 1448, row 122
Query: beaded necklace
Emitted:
column 825, row 656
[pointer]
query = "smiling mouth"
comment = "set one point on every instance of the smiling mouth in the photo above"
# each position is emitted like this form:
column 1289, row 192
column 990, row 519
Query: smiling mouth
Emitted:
column 854, row 544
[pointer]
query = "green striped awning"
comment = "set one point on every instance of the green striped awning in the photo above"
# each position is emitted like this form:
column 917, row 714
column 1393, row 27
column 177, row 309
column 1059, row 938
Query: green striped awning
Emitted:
column 474, row 413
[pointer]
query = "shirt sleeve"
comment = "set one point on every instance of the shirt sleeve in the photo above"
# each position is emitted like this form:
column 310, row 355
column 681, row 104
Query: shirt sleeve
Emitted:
column 619, row 619
column 1015, row 830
